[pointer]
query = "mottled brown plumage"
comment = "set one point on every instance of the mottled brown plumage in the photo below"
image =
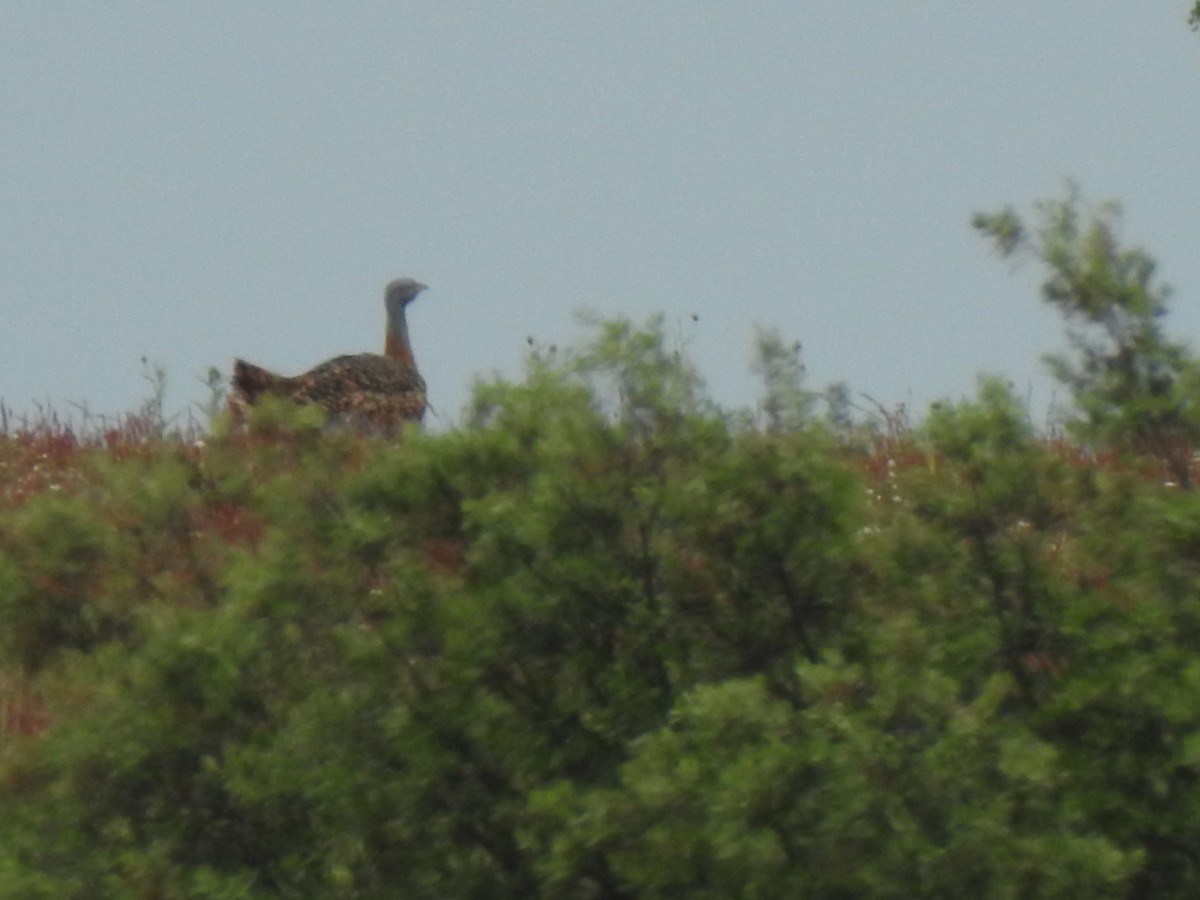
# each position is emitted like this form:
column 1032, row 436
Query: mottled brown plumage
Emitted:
column 364, row 390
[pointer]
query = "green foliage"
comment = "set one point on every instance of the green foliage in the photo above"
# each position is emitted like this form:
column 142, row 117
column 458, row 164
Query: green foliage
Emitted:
column 604, row 641
column 787, row 405
column 743, row 795
column 1134, row 387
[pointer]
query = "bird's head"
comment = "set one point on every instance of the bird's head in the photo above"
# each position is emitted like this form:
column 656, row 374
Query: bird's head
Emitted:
column 402, row 291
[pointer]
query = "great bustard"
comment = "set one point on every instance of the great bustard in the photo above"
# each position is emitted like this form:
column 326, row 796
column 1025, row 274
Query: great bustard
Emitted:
column 377, row 392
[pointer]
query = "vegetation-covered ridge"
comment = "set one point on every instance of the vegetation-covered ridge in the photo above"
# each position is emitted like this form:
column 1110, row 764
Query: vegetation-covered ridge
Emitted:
column 605, row 640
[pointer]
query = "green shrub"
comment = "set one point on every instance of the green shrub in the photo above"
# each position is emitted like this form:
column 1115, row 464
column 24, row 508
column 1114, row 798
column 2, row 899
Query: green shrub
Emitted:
column 605, row 640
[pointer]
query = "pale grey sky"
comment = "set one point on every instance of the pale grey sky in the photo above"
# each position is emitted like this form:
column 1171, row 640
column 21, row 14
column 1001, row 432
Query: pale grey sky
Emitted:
column 192, row 182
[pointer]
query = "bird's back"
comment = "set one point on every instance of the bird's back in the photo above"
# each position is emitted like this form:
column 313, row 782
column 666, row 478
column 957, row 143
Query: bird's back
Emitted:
column 360, row 389
column 363, row 384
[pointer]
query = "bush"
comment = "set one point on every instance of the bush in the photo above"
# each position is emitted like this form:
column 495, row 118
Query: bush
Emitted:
column 605, row 641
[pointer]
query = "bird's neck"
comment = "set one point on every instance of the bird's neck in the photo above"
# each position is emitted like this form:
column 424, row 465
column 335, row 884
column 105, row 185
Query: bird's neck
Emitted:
column 397, row 346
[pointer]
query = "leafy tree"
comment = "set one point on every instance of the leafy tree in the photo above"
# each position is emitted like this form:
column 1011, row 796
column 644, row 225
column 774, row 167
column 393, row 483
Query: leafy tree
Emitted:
column 1134, row 387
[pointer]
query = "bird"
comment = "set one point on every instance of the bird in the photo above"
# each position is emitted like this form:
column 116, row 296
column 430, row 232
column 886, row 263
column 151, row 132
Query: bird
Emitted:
column 368, row 391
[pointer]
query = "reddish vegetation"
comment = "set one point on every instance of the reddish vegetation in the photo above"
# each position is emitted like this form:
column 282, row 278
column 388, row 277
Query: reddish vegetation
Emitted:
column 49, row 452
column 22, row 711
column 51, row 455
column 185, row 556
column 31, row 463
column 230, row 523
column 444, row 557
